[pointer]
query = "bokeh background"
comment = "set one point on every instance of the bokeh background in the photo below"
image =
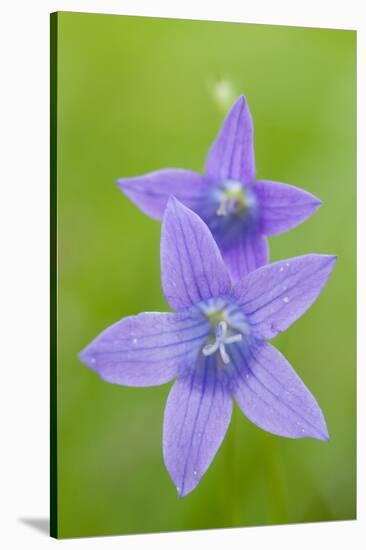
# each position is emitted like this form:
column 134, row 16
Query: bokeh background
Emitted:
column 137, row 94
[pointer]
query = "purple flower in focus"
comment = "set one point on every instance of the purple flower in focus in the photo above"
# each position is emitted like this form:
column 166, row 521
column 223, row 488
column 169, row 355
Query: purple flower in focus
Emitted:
column 214, row 345
column 239, row 210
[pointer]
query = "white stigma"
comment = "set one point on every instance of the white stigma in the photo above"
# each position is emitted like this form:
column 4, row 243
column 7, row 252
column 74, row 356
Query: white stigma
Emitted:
column 222, row 210
column 222, row 339
column 232, row 200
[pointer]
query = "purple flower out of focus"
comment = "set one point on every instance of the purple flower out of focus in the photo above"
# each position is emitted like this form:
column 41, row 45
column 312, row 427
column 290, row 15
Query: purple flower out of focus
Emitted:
column 239, row 210
column 214, row 345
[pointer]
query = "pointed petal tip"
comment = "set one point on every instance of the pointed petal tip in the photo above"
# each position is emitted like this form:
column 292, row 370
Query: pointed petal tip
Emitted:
column 172, row 200
column 120, row 182
column 240, row 102
column 313, row 199
column 126, row 186
column 323, row 435
column 320, row 431
column 323, row 258
column 181, row 486
column 85, row 357
column 171, row 206
column 81, row 356
column 332, row 258
column 327, row 258
column 175, row 205
column 181, row 493
column 319, row 435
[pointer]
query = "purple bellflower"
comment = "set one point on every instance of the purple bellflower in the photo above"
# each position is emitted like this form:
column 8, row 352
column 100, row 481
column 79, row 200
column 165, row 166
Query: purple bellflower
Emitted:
column 239, row 210
column 214, row 345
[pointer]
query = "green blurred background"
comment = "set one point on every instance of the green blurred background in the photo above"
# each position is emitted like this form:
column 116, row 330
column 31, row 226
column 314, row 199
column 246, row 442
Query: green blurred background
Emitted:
column 138, row 94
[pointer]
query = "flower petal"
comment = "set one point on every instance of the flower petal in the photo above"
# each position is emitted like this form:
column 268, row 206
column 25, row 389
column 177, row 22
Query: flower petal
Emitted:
column 197, row 416
column 191, row 264
column 152, row 191
column 231, row 156
column 272, row 396
column 276, row 295
column 146, row 349
column 246, row 255
column 283, row 206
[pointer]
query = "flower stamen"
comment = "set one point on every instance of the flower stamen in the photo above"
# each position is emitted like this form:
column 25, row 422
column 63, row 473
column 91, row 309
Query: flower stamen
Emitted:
column 232, row 201
column 221, row 340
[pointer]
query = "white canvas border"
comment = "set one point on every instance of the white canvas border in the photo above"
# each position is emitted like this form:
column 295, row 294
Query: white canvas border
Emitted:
column 24, row 204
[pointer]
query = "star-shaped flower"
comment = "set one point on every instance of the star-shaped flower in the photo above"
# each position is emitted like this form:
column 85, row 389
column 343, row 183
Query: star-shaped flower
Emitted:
column 239, row 210
column 214, row 346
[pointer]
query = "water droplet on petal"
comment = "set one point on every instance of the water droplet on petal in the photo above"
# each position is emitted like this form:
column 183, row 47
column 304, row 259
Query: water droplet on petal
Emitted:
column 194, row 472
column 287, row 264
column 286, row 299
column 134, row 341
column 282, row 268
column 92, row 359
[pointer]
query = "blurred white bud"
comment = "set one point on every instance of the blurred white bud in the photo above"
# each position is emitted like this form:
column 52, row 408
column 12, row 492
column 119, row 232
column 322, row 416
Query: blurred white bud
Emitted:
column 223, row 93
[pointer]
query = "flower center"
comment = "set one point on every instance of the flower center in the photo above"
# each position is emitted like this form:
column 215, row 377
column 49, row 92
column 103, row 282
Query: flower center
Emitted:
column 232, row 200
column 231, row 210
column 228, row 325
column 222, row 339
